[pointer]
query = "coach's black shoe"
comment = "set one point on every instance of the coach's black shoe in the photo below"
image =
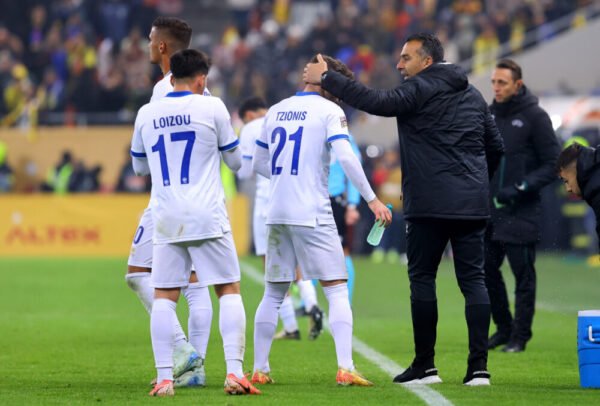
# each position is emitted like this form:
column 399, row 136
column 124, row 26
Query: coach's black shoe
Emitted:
column 419, row 375
column 497, row 339
column 316, row 322
column 479, row 377
column 514, row 346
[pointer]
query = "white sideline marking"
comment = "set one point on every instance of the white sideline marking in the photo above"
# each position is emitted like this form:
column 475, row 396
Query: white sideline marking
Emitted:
column 428, row 395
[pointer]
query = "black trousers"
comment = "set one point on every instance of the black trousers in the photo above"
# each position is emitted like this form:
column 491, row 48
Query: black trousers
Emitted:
column 426, row 241
column 521, row 258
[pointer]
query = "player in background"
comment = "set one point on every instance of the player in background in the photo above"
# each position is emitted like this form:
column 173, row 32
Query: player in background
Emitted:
column 293, row 150
column 180, row 140
column 252, row 112
column 167, row 36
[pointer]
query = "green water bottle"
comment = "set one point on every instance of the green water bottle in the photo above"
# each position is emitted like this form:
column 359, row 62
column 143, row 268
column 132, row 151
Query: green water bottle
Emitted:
column 374, row 237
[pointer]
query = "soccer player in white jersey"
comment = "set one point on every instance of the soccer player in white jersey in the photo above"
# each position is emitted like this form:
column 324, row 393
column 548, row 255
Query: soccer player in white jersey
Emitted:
column 180, row 140
column 252, row 112
column 167, row 36
column 294, row 152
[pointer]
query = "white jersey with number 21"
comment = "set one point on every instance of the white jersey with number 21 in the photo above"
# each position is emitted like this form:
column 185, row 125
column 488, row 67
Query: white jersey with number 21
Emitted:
column 297, row 132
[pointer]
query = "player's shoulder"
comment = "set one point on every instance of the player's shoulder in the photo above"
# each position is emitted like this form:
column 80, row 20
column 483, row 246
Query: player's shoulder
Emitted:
column 252, row 129
column 145, row 110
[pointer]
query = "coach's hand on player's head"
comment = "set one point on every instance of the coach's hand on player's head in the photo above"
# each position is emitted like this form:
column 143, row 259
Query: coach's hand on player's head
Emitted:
column 381, row 212
column 313, row 71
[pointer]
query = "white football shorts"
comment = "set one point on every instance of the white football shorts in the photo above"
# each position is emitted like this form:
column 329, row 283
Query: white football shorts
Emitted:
column 259, row 227
column 317, row 250
column 141, row 247
column 215, row 258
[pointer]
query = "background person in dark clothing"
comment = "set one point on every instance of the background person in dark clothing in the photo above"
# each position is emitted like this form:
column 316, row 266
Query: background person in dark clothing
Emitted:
column 449, row 146
column 579, row 168
column 529, row 164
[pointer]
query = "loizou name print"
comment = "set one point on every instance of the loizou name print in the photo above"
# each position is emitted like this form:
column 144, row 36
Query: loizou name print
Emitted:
column 291, row 115
column 171, row 121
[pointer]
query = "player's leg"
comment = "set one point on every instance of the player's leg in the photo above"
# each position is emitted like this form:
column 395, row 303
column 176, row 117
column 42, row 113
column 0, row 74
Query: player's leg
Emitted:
column 287, row 313
column 308, row 294
column 171, row 265
column 279, row 272
column 199, row 323
column 139, row 263
column 321, row 257
column 217, row 264
column 200, row 317
column 139, row 267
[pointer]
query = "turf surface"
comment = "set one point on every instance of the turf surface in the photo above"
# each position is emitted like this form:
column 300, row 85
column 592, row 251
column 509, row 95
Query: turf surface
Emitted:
column 71, row 332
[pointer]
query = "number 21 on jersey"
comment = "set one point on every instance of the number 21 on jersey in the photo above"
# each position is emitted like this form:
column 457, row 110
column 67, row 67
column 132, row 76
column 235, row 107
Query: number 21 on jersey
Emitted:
column 279, row 136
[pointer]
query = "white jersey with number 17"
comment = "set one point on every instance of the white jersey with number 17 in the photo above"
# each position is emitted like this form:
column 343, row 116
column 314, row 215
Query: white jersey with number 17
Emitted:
column 182, row 135
column 297, row 132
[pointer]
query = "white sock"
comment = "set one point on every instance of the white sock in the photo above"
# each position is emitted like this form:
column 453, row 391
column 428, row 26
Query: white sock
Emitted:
column 139, row 282
column 265, row 323
column 340, row 321
column 308, row 293
column 162, row 330
column 288, row 315
column 232, row 323
column 200, row 319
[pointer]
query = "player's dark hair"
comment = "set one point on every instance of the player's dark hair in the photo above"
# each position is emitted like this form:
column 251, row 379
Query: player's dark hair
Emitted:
column 515, row 69
column 251, row 104
column 335, row 65
column 430, row 46
column 189, row 63
column 568, row 156
column 176, row 29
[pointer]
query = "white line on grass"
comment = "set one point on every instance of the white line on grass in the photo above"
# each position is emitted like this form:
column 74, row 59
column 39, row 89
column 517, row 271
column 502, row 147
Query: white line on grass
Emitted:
column 428, row 395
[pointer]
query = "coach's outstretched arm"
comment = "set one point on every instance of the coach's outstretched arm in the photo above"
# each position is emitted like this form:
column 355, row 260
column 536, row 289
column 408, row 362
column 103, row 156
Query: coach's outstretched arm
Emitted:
column 352, row 168
column 380, row 102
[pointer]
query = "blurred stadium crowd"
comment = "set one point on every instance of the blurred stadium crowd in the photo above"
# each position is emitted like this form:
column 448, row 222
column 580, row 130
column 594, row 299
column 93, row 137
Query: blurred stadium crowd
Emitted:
column 69, row 56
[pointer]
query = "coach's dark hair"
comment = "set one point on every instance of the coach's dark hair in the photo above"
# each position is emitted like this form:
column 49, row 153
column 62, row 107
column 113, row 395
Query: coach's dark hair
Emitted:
column 335, row 65
column 568, row 156
column 189, row 63
column 430, row 46
column 176, row 29
column 252, row 104
column 515, row 69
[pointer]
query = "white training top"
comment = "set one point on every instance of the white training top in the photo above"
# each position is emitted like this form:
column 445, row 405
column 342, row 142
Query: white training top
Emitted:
column 248, row 136
column 297, row 132
column 164, row 86
column 182, row 135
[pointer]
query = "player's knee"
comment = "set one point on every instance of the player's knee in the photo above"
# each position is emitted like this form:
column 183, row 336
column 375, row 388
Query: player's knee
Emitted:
column 227, row 289
column 327, row 284
column 137, row 269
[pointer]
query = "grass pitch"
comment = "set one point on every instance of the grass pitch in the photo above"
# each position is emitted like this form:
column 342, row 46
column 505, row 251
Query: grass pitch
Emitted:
column 71, row 332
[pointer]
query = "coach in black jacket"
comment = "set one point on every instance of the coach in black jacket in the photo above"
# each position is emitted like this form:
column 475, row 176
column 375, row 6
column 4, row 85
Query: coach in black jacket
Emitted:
column 449, row 146
column 528, row 165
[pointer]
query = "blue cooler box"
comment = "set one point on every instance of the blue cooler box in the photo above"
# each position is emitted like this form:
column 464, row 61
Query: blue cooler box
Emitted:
column 588, row 348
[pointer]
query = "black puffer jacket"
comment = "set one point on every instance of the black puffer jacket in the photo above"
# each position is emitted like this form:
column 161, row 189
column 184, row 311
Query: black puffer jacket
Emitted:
column 588, row 179
column 529, row 164
column 448, row 139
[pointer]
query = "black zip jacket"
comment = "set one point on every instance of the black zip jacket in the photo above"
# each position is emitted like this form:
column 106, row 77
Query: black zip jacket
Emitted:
column 529, row 164
column 449, row 144
column 588, row 179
